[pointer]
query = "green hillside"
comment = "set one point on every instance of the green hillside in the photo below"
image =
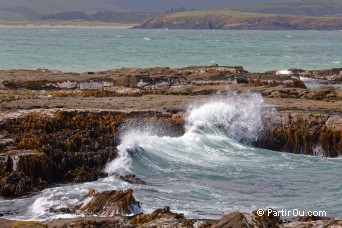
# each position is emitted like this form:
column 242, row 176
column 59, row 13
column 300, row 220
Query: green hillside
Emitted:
column 294, row 7
column 227, row 19
column 38, row 9
column 35, row 9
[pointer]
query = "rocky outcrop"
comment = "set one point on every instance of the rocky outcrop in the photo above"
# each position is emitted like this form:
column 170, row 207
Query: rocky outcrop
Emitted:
column 233, row 220
column 303, row 133
column 24, row 171
column 133, row 179
column 166, row 218
column 157, row 217
column 67, row 146
column 334, row 74
column 109, row 203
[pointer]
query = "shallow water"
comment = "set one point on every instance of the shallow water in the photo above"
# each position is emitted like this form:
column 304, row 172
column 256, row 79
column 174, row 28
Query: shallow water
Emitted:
column 314, row 83
column 206, row 172
column 103, row 49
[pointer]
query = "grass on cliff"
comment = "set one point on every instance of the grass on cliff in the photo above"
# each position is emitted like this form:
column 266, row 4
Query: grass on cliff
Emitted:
column 225, row 13
column 294, row 7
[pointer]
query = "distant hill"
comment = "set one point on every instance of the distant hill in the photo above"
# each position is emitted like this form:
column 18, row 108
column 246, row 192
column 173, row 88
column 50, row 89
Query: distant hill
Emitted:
column 37, row 9
column 105, row 10
column 118, row 17
column 226, row 19
column 294, row 7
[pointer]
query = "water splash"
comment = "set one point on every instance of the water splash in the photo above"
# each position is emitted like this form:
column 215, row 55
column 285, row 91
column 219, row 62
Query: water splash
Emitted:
column 239, row 116
column 230, row 118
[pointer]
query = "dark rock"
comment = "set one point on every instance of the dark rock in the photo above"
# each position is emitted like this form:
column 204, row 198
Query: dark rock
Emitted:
column 24, row 171
column 334, row 224
column 310, row 218
column 116, row 221
column 15, row 184
column 302, row 133
column 83, row 174
column 157, row 214
column 296, row 70
column 1, row 214
column 270, row 218
column 62, row 210
column 242, row 79
column 232, row 220
column 110, row 203
column 297, row 83
column 131, row 178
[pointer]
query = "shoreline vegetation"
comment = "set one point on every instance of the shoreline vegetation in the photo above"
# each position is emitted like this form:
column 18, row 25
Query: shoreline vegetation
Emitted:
column 48, row 117
column 63, row 24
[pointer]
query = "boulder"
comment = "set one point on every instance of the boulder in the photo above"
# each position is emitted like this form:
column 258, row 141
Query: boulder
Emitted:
column 109, row 203
column 165, row 214
column 131, row 178
column 242, row 79
column 297, row 83
column 232, row 220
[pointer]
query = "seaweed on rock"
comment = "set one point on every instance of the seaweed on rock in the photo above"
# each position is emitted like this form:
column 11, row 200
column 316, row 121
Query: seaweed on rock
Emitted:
column 73, row 145
column 110, row 203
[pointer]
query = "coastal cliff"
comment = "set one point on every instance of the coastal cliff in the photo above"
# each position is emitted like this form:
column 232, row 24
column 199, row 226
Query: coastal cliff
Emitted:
column 226, row 19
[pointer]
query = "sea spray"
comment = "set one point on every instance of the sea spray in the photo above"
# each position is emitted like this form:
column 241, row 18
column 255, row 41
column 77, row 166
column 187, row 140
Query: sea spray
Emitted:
column 231, row 117
column 239, row 116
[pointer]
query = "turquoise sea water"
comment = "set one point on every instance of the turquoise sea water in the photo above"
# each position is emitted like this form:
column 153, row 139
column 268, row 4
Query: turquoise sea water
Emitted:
column 103, row 49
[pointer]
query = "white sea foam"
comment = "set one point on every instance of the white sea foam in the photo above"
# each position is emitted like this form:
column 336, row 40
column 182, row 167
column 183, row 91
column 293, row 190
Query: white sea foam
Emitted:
column 239, row 116
column 283, row 72
column 233, row 118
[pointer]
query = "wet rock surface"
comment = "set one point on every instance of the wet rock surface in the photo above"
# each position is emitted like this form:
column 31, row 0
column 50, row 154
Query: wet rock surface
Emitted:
column 166, row 218
column 66, row 146
column 24, row 171
column 109, row 203
column 133, row 179
column 303, row 133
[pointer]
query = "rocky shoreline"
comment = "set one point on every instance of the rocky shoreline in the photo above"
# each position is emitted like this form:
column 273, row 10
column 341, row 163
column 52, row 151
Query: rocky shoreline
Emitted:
column 58, row 128
column 107, row 209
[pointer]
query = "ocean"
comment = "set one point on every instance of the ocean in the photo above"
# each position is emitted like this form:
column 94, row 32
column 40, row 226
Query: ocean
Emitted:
column 85, row 49
column 205, row 173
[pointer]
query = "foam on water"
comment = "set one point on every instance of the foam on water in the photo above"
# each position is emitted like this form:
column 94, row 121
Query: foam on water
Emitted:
column 207, row 172
column 283, row 71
